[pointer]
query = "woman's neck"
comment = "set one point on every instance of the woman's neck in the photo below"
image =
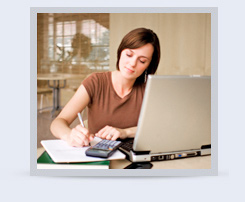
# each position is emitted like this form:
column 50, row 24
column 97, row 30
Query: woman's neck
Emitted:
column 121, row 85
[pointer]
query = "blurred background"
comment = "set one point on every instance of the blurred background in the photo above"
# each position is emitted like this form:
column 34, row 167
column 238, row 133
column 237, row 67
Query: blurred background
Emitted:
column 70, row 46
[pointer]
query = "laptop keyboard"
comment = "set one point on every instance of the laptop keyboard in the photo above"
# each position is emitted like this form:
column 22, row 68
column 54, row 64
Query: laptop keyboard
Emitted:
column 127, row 144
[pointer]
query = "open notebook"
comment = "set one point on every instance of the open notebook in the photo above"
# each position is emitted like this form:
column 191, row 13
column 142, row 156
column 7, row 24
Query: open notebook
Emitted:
column 61, row 152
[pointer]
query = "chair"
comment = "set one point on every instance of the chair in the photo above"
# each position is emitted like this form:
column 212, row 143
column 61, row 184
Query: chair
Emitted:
column 43, row 92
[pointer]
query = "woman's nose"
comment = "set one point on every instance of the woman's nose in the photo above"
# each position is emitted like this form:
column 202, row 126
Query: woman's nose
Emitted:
column 133, row 62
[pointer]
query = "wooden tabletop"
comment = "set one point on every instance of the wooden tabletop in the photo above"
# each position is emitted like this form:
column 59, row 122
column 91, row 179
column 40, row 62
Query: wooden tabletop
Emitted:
column 199, row 162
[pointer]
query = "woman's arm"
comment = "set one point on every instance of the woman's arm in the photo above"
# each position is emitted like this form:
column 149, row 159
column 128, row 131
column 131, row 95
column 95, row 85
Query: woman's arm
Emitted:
column 111, row 133
column 77, row 136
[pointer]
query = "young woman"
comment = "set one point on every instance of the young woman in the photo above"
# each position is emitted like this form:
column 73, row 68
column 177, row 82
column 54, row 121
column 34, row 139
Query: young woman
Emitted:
column 113, row 98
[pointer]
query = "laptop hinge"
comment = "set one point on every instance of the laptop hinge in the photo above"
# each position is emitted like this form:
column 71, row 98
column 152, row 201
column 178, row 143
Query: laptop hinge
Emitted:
column 205, row 152
column 139, row 158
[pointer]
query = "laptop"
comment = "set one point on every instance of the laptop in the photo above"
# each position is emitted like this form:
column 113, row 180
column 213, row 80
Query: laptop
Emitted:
column 175, row 120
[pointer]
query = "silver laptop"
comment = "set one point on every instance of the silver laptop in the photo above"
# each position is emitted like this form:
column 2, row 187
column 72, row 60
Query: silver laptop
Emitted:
column 175, row 119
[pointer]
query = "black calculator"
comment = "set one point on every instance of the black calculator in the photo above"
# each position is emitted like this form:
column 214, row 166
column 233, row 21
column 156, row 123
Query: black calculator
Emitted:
column 104, row 148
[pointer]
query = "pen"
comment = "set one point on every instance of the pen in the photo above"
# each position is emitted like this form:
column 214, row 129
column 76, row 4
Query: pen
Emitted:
column 80, row 119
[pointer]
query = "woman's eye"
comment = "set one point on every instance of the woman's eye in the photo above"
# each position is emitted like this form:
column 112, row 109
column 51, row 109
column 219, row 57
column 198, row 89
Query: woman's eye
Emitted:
column 142, row 61
column 129, row 55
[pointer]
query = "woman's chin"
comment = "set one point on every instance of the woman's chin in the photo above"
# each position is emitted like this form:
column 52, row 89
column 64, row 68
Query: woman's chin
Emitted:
column 128, row 74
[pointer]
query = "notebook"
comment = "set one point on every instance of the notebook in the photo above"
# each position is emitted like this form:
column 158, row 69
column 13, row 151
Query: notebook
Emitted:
column 175, row 119
column 45, row 162
column 61, row 152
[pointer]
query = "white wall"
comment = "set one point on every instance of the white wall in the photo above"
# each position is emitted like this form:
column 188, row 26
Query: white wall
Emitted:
column 185, row 39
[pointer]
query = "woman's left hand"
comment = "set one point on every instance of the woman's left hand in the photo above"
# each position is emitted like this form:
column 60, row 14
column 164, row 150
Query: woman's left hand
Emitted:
column 111, row 133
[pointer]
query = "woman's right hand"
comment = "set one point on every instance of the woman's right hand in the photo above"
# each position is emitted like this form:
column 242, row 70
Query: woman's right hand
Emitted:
column 79, row 137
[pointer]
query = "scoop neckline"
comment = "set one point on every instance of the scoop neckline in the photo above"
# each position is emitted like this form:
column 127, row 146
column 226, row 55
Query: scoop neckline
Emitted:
column 115, row 92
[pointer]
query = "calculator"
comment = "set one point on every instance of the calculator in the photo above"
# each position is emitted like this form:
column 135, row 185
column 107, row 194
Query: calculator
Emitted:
column 104, row 148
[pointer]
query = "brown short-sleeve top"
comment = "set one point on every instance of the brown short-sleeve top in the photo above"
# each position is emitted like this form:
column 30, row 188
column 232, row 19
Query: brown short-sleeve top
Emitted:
column 107, row 108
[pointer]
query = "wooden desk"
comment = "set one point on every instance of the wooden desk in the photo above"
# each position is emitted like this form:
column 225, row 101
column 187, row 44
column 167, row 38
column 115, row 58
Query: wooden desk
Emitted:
column 55, row 82
column 200, row 162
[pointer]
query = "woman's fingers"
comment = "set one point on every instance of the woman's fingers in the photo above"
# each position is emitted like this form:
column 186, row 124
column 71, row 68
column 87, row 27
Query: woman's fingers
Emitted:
column 115, row 136
column 109, row 133
column 80, row 136
column 101, row 131
column 82, row 130
column 76, row 141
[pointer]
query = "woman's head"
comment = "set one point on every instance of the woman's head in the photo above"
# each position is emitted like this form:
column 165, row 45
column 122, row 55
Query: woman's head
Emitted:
column 138, row 38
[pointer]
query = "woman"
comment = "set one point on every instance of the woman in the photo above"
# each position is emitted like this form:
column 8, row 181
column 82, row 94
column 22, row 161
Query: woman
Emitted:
column 113, row 98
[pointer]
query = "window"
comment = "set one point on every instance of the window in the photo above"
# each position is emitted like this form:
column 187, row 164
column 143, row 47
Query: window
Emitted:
column 74, row 43
column 99, row 35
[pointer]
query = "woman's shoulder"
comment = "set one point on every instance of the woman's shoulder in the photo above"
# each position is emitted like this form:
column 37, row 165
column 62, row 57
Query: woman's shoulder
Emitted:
column 95, row 82
column 99, row 75
column 97, row 79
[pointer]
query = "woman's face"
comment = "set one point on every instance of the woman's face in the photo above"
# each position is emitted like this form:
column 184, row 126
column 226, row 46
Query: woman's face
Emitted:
column 133, row 62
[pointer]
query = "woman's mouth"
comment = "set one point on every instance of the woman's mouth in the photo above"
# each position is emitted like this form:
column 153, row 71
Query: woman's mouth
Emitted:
column 129, row 70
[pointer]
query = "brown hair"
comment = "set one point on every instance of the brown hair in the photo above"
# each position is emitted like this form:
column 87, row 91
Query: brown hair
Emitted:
column 136, row 39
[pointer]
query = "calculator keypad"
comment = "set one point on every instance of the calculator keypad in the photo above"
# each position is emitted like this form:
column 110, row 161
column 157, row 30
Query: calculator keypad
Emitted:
column 107, row 144
column 104, row 149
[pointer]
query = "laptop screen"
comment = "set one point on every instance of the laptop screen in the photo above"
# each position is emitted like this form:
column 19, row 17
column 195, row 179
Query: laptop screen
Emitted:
column 175, row 114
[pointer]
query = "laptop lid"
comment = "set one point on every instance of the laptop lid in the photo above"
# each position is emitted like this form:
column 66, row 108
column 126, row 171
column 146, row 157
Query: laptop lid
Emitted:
column 175, row 114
